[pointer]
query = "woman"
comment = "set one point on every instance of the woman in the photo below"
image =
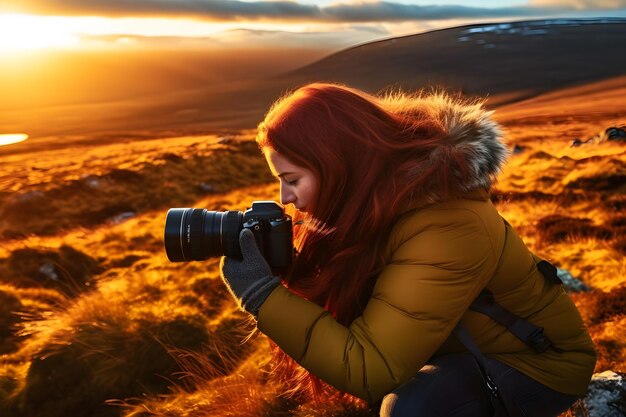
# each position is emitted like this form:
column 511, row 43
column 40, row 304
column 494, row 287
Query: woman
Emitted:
column 399, row 239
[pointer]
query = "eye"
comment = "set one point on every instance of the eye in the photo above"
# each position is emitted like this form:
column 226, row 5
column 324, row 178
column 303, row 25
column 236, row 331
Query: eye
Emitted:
column 292, row 182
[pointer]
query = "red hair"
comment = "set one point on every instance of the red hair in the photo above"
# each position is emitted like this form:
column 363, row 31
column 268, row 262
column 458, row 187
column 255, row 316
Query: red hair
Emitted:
column 371, row 158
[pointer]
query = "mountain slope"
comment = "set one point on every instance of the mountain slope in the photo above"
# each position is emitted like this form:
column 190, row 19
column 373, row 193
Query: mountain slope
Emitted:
column 525, row 58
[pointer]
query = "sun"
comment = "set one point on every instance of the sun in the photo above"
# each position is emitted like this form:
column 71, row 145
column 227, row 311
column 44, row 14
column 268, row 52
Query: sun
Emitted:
column 10, row 138
column 27, row 32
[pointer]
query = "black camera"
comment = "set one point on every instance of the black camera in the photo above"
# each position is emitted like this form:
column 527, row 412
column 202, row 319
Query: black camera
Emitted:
column 195, row 234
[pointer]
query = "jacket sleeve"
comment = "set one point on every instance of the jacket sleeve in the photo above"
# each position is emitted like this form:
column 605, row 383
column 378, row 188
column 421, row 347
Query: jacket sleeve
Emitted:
column 421, row 294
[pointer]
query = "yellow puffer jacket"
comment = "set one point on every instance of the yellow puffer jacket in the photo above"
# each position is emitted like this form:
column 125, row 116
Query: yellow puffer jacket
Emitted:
column 439, row 259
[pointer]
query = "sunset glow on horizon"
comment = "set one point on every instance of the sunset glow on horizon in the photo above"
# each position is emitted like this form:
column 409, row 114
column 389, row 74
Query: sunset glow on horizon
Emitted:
column 30, row 32
column 20, row 32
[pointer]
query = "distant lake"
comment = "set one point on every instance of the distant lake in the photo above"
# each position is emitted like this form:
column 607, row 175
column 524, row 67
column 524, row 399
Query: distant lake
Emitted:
column 9, row 138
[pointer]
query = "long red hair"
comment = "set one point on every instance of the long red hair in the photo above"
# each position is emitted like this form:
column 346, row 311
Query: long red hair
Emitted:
column 371, row 158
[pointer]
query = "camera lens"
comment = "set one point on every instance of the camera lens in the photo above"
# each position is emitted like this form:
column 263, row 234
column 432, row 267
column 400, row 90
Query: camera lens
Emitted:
column 193, row 234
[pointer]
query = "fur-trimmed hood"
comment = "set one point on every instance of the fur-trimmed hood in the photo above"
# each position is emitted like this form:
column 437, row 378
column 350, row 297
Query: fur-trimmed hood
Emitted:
column 469, row 156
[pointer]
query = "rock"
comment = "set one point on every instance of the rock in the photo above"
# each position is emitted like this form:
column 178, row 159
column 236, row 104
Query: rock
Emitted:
column 570, row 283
column 91, row 181
column 575, row 143
column 616, row 133
column 123, row 217
column 225, row 140
column 205, row 188
column 49, row 271
column 606, row 396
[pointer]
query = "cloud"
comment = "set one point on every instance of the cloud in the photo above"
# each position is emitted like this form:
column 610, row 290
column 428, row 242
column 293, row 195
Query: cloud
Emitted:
column 581, row 4
column 337, row 37
column 212, row 9
column 233, row 10
column 387, row 11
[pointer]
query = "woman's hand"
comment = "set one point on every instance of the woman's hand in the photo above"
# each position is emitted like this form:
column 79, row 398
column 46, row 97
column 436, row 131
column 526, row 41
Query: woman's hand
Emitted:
column 250, row 280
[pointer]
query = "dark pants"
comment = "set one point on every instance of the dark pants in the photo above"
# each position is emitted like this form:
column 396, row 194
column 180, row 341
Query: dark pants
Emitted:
column 452, row 386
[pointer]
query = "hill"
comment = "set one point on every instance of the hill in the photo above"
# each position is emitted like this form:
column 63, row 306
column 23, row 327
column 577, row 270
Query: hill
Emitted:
column 483, row 60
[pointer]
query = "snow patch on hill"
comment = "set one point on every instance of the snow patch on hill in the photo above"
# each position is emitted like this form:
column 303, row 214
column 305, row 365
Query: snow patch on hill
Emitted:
column 532, row 28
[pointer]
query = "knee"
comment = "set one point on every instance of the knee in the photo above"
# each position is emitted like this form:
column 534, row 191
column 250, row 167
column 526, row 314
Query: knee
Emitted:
column 399, row 404
column 388, row 405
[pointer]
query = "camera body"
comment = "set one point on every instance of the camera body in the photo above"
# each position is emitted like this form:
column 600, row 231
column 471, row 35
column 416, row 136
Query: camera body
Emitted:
column 272, row 230
column 193, row 234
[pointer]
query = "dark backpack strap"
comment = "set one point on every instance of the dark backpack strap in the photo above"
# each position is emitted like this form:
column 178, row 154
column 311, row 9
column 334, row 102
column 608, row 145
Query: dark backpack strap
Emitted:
column 497, row 401
column 548, row 271
column 527, row 332
column 524, row 330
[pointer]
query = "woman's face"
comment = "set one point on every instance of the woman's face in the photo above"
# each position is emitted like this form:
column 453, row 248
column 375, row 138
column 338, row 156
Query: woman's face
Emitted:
column 298, row 185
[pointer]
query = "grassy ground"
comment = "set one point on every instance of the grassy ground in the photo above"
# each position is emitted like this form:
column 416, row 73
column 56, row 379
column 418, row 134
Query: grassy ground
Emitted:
column 95, row 321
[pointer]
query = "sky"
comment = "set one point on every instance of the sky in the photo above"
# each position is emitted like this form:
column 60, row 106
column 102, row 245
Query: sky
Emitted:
column 127, row 24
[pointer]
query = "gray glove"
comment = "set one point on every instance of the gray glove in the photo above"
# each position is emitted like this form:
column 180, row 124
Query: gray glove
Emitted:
column 250, row 280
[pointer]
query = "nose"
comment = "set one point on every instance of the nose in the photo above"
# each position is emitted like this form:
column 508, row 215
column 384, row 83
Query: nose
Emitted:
column 286, row 195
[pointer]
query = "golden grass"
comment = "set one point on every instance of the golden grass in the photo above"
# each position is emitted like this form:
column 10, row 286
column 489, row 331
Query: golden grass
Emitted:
column 140, row 336
column 142, row 312
column 100, row 183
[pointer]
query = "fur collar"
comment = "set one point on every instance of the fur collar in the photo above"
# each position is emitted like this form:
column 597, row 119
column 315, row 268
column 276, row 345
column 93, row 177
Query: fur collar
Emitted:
column 471, row 137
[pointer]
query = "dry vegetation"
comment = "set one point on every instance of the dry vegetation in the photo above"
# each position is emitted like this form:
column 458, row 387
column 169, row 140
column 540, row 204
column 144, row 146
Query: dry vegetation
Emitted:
column 94, row 321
